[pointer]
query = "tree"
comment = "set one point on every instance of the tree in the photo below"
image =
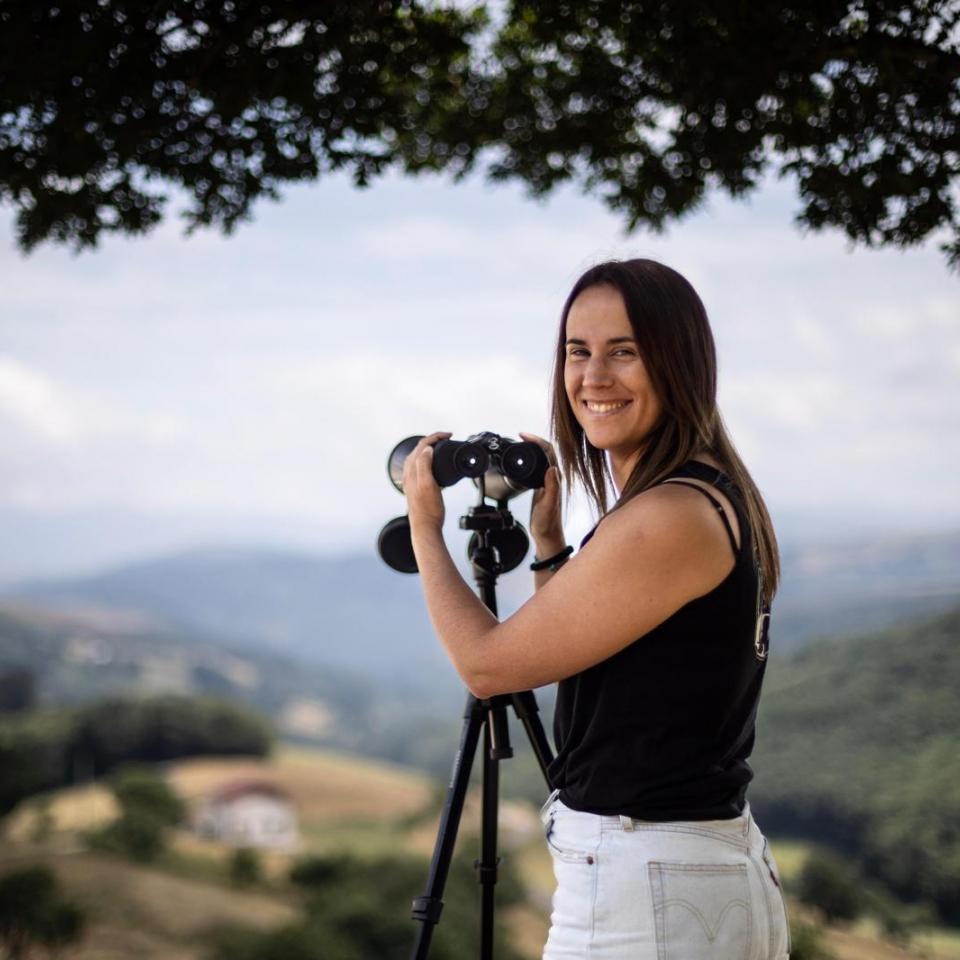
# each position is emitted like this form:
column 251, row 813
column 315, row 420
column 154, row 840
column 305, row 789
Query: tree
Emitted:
column 651, row 106
column 101, row 101
column 148, row 807
column 33, row 912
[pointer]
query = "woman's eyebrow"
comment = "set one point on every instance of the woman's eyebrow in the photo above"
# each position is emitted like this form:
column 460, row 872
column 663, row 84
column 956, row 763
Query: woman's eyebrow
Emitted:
column 583, row 343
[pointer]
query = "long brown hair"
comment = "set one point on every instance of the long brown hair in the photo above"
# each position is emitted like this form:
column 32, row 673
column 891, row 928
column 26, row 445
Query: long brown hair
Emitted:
column 673, row 335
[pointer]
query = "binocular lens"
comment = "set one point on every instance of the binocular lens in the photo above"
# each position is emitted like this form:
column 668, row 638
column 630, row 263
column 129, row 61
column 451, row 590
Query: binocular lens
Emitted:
column 468, row 459
column 398, row 456
column 525, row 463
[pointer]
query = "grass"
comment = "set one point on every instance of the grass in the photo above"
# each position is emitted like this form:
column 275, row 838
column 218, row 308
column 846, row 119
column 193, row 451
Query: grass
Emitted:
column 790, row 856
column 136, row 911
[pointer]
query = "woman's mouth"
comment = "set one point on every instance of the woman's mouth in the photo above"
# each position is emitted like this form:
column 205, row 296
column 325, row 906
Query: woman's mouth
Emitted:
column 604, row 406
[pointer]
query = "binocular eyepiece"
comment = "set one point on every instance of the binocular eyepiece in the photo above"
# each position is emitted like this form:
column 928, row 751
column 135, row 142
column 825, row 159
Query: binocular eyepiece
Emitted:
column 500, row 467
column 508, row 467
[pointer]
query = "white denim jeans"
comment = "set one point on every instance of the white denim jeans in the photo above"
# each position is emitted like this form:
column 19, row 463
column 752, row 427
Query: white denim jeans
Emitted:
column 640, row 890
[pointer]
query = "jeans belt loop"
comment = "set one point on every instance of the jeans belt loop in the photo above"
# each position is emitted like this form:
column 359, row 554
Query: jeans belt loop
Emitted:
column 626, row 823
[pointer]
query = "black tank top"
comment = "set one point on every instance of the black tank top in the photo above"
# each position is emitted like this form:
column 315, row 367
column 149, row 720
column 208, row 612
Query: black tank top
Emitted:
column 662, row 729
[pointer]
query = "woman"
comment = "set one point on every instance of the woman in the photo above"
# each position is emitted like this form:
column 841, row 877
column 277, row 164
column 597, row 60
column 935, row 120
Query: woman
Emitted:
column 655, row 631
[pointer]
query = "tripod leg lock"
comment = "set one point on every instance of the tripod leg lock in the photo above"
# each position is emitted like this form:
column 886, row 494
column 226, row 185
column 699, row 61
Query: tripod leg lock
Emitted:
column 486, row 875
column 427, row 909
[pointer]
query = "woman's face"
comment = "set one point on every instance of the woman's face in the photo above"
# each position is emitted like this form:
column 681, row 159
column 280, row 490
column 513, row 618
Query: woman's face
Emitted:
column 606, row 380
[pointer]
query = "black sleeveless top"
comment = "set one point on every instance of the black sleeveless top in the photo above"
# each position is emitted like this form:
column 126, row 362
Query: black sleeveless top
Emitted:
column 662, row 729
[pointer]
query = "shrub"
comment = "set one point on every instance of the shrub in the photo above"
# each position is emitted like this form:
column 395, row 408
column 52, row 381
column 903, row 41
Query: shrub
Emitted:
column 148, row 807
column 245, row 868
column 831, row 885
column 32, row 912
column 807, row 943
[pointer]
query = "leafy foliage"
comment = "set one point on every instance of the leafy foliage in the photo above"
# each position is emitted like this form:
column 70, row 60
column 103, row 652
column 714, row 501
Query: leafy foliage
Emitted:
column 33, row 913
column 45, row 750
column 857, row 749
column 140, row 789
column 654, row 104
column 648, row 105
column 806, row 943
column 148, row 806
column 136, row 835
column 355, row 909
column 831, row 885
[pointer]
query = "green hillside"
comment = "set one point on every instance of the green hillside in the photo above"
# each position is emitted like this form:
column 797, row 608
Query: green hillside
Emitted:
column 859, row 747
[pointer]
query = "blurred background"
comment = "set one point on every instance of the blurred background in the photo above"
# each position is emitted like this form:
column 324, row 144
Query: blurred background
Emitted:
column 193, row 441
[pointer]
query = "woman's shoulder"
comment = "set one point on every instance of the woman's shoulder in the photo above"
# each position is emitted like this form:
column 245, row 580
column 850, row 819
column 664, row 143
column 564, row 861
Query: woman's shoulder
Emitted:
column 674, row 513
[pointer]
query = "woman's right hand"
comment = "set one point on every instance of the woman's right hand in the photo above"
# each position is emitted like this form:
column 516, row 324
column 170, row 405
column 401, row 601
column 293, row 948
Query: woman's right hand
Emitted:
column 546, row 520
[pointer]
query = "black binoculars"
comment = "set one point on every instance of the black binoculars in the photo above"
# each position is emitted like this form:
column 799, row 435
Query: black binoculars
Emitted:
column 508, row 467
column 500, row 467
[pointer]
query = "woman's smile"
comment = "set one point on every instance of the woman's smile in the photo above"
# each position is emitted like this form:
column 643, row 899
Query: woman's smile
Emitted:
column 604, row 408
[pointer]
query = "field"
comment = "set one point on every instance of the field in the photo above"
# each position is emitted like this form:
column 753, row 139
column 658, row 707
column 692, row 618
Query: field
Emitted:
column 342, row 803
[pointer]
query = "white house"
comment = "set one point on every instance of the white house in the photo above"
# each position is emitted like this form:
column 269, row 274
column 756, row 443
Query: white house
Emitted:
column 249, row 813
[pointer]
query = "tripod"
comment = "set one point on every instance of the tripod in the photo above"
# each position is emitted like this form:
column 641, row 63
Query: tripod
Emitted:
column 489, row 524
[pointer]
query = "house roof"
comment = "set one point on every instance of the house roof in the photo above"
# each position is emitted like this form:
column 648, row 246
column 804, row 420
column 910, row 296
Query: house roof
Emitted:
column 236, row 789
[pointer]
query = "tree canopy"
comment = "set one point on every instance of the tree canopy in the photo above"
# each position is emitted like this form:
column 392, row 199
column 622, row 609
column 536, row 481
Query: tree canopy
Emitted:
column 107, row 104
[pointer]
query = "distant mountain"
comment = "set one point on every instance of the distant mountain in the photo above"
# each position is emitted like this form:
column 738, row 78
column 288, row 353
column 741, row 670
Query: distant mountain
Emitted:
column 841, row 588
column 72, row 658
column 354, row 612
column 350, row 612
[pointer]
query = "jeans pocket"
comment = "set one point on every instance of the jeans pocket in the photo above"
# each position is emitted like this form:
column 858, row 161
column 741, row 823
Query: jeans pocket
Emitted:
column 701, row 910
column 561, row 850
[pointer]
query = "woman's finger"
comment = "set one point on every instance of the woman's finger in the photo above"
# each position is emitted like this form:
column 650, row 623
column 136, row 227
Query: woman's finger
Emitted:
column 430, row 439
column 546, row 445
column 424, row 443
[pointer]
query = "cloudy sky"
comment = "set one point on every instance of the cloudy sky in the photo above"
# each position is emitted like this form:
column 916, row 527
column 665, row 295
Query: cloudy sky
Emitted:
column 171, row 392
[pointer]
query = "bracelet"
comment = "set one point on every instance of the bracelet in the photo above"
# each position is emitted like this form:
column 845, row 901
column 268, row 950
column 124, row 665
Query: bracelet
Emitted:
column 554, row 562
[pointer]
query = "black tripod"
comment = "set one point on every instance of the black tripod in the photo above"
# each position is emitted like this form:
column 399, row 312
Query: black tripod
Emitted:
column 490, row 525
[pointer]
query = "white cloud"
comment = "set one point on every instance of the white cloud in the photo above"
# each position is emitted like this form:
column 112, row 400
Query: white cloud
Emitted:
column 36, row 404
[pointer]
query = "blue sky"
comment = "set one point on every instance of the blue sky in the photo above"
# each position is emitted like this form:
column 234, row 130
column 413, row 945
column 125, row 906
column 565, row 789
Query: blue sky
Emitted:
column 166, row 392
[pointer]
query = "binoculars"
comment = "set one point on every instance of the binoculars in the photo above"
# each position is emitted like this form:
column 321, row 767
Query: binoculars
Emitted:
column 500, row 468
column 508, row 467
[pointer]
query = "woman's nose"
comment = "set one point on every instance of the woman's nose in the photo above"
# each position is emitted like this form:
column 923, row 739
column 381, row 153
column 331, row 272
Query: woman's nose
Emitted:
column 596, row 372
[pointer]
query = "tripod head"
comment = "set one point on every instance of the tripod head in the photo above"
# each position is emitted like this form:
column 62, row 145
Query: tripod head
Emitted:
column 497, row 543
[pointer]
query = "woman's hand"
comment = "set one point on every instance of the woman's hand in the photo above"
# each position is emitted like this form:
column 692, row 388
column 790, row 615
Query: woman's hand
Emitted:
column 546, row 519
column 424, row 500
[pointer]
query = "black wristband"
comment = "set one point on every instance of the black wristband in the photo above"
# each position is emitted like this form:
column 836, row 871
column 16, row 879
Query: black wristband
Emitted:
column 550, row 561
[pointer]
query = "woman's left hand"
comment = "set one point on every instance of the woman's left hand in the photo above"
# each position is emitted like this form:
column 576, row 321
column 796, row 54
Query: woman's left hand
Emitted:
column 424, row 500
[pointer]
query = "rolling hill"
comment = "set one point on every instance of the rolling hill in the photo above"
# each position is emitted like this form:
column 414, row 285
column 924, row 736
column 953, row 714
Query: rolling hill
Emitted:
column 859, row 746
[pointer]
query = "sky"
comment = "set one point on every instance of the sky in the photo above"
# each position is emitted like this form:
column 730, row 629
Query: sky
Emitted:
column 166, row 392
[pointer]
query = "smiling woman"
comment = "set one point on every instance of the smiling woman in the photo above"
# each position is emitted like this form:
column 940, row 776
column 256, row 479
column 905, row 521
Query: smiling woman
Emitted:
column 656, row 631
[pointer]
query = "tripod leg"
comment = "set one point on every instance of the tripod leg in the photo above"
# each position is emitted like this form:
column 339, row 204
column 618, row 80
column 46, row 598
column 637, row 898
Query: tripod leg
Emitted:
column 427, row 908
column 528, row 713
column 496, row 746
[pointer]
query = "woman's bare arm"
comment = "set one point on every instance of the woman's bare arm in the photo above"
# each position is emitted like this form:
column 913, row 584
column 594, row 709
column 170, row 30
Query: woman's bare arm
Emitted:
column 646, row 560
